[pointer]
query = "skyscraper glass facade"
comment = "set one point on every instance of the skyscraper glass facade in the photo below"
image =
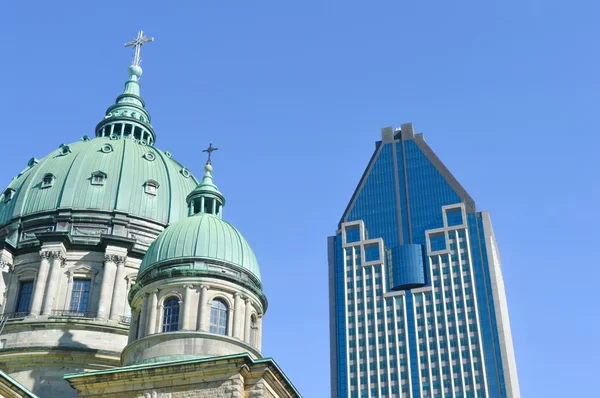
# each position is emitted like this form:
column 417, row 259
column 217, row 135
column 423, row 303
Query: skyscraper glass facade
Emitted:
column 417, row 297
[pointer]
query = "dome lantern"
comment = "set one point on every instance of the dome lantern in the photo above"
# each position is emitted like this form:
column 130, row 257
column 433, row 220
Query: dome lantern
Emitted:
column 206, row 197
column 128, row 117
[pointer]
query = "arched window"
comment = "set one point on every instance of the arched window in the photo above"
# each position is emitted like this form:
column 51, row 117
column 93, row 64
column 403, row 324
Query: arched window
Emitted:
column 253, row 330
column 218, row 317
column 171, row 315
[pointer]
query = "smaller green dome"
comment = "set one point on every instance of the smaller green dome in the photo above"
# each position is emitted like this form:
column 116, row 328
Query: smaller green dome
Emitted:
column 203, row 236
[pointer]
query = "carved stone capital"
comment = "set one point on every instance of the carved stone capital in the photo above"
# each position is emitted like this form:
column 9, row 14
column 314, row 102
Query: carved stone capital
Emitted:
column 115, row 259
column 205, row 287
column 45, row 254
column 188, row 286
column 6, row 264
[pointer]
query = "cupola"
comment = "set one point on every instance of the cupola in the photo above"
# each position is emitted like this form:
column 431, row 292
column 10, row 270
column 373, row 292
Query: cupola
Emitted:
column 128, row 117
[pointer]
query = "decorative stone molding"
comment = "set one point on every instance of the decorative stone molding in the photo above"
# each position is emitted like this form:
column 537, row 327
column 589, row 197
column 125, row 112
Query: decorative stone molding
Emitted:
column 114, row 258
column 59, row 256
column 89, row 231
column 6, row 264
column 45, row 255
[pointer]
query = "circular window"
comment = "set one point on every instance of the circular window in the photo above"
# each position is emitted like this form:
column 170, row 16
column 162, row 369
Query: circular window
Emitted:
column 107, row 148
column 150, row 156
column 185, row 172
column 143, row 142
column 114, row 137
column 168, row 154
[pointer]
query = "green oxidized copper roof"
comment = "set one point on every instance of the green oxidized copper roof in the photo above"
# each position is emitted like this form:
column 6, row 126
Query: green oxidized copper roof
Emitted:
column 127, row 165
column 207, row 187
column 202, row 236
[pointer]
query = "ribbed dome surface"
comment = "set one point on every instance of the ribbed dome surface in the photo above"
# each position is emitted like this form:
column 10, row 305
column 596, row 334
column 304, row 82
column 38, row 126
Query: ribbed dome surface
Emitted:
column 127, row 164
column 202, row 236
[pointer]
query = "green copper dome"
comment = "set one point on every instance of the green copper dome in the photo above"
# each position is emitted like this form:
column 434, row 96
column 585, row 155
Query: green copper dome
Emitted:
column 202, row 236
column 101, row 174
column 119, row 170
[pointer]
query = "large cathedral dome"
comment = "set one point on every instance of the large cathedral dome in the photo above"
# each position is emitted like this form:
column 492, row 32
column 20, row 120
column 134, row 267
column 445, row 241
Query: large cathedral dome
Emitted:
column 101, row 174
column 117, row 183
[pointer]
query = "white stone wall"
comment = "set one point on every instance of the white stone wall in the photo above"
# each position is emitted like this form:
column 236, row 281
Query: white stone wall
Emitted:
column 195, row 297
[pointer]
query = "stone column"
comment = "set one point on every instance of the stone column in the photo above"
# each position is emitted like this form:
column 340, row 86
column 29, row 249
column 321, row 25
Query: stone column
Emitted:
column 142, row 319
column 259, row 332
column 247, row 322
column 58, row 261
column 120, row 289
column 5, row 267
column 152, row 310
column 187, row 308
column 202, row 306
column 133, row 326
column 230, row 315
column 108, row 284
column 40, row 283
column 237, row 317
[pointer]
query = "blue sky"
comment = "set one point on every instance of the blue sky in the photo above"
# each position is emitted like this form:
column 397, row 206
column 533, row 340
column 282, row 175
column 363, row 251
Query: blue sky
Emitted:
column 295, row 93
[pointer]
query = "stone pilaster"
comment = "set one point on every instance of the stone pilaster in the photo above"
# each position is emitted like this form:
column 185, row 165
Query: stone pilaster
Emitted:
column 108, row 284
column 187, row 308
column 259, row 332
column 202, row 308
column 142, row 332
column 237, row 317
column 120, row 289
column 247, row 323
column 40, row 283
column 5, row 268
column 58, row 262
column 152, row 312
column 133, row 326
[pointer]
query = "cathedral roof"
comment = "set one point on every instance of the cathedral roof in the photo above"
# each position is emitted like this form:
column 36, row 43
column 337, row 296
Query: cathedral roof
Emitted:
column 101, row 174
column 203, row 235
column 119, row 170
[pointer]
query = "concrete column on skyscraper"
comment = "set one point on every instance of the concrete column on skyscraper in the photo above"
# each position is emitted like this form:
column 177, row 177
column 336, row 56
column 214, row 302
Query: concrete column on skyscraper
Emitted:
column 58, row 261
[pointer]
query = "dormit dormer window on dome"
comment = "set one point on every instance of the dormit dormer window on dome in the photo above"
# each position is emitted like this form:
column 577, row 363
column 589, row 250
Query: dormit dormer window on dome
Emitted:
column 64, row 149
column 98, row 178
column 151, row 187
column 48, row 180
column 8, row 194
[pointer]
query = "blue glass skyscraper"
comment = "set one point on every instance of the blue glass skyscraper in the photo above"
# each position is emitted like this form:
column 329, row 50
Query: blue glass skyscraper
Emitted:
column 418, row 307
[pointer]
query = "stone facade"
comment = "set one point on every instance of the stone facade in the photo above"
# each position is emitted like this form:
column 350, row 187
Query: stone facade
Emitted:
column 238, row 376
